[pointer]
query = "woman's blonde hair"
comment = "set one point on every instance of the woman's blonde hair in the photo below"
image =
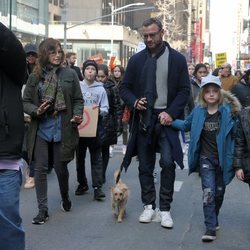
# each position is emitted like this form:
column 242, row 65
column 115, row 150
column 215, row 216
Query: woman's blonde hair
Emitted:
column 45, row 48
column 202, row 94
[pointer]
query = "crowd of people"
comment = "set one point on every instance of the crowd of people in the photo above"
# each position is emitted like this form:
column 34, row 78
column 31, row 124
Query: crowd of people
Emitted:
column 156, row 96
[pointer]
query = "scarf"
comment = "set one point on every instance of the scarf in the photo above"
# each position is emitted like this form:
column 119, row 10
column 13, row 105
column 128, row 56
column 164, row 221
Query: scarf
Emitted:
column 148, row 86
column 52, row 91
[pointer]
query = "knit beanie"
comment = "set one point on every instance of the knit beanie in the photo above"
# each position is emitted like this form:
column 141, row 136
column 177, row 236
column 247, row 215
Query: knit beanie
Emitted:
column 89, row 63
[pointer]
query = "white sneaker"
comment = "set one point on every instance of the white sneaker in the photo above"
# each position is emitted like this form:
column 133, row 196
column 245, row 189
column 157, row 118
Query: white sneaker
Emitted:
column 166, row 219
column 147, row 214
column 111, row 149
column 124, row 148
column 30, row 182
column 157, row 215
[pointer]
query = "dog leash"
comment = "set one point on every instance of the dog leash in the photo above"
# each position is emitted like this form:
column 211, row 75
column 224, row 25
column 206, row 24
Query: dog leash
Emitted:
column 129, row 139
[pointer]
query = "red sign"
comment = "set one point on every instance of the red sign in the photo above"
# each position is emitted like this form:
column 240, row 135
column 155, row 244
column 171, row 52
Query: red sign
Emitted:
column 112, row 62
column 198, row 54
column 97, row 58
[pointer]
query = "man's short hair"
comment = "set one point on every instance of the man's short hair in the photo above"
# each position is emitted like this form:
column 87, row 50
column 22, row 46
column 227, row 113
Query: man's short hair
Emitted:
column 151, row 21
column 69, row 54
column 227, row 65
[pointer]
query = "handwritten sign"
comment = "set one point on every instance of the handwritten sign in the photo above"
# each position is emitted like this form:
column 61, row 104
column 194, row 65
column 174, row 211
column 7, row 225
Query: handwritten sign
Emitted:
column 220, row 59
column 88, row 127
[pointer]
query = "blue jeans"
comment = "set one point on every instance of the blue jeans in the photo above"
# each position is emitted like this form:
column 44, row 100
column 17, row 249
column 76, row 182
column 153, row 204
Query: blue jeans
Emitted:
column 11, row 232
column 213, row 190
column 147, row 157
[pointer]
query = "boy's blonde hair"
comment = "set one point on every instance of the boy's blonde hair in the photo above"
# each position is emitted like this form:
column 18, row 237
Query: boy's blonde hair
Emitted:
column 202, row 94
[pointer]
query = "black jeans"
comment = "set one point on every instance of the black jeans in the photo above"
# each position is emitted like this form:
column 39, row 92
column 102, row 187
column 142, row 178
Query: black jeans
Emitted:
column 105, row 159
column 41, row 168
column 147, row 157
column 95, row 161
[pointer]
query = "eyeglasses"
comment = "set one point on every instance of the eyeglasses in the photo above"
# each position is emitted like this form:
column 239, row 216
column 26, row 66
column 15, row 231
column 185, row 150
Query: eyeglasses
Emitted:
column 54, row 53
column 151, row 35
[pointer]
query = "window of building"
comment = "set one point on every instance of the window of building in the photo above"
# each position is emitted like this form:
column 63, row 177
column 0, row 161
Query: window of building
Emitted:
column 50, row 1
column 87, row 49
column 56, row 2
column 57, row 18
column 27, row 13
column 61, row 3
column 4, row 8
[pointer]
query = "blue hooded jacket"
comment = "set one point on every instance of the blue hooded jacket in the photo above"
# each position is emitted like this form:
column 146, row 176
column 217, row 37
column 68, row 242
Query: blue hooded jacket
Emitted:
column 224, row 139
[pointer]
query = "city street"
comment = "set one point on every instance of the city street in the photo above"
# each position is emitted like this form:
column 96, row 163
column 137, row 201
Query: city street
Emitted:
column 91, row 226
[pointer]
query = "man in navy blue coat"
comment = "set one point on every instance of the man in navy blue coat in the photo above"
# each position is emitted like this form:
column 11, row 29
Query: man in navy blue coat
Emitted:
column 156, row 86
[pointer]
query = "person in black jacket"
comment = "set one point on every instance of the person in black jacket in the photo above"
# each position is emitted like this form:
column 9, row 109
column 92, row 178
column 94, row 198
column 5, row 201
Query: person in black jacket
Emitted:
column 113, row 121
column 71, row 60
column 11, row 139
column 242, row 147
column 31, row 56
column 242, row 89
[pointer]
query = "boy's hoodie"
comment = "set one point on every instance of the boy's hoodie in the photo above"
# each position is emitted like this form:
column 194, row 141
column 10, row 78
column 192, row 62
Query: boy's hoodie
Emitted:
column 95, row 94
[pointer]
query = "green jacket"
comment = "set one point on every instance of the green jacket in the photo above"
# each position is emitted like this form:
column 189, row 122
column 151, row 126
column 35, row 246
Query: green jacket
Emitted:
column 74, row 101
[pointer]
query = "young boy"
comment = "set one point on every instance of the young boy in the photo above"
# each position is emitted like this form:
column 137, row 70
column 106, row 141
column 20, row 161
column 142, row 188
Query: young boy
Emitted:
column 212, row 124
column 94, row 96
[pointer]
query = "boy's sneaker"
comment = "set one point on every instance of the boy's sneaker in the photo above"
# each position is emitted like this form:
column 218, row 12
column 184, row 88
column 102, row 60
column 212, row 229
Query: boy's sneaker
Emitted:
column 41, row 218
column 30, row 183
column 66, row 204
column 81, row 190
column 209, row 236
column 166, row 219
column 98, row 194
column 147, row 215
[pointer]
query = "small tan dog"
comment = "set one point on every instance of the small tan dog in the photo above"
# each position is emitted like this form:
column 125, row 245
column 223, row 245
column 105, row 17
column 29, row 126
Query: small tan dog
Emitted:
column 119, row 198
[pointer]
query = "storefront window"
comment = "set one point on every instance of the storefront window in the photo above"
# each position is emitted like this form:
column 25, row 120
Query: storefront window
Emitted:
column 85, row 50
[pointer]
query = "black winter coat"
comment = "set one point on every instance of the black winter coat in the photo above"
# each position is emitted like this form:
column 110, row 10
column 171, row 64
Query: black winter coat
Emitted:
column 113, row 120
column 11, row 81
column 242, row 141
column 242, row 91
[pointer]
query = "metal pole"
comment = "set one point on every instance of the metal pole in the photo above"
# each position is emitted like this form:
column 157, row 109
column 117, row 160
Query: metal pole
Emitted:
column 10, row 21
column 112, row 26
column 65, row 36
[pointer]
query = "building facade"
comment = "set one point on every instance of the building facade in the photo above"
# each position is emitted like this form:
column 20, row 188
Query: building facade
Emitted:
column 87, row 28
column 200, row 44
column 243, row 36
column 28, row 19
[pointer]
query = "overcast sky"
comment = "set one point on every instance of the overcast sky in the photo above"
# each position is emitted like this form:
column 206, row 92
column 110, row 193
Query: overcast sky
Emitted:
column 223, row 25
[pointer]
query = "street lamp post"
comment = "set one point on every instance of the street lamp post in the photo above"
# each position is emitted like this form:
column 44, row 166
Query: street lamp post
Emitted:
column 65, row 28
column 113, row 11
column 10, row 21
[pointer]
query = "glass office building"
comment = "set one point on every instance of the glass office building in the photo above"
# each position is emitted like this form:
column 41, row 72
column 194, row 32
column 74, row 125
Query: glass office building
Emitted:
column 28, row 19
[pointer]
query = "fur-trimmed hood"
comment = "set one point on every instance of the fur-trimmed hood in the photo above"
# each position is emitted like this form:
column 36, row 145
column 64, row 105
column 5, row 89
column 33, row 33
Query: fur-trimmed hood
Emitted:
column 230, row 99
